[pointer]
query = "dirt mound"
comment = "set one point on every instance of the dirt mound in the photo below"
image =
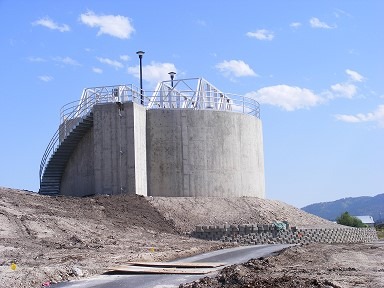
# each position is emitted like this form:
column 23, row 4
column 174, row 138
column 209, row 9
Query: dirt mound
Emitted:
column 120, row 211
column 187, row 212
column 51, row 237
column 59, row 238
column 256, row 273
column 314, row 265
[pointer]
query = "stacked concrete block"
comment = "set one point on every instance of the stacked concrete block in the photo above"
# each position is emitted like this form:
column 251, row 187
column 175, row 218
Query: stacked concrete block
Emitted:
column 252, row 234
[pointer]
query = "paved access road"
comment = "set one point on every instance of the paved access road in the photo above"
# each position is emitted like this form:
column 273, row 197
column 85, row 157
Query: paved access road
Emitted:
column 229, row 256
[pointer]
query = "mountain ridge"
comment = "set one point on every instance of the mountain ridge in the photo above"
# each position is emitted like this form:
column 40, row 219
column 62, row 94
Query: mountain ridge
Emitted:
column 356, row 206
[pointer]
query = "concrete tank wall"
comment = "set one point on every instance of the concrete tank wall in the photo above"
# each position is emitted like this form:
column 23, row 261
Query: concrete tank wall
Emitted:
column 167, row 152
column 78, row 178
column 204, row 153
column 111, row 158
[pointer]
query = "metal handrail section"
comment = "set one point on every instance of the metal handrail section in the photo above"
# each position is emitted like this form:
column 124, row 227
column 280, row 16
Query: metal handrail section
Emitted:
column 99, row 95
column 171, row 94
column 179, row 94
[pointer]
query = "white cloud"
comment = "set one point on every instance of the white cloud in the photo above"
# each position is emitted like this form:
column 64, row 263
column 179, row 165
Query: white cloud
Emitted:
column 261, row 34
column 36, row 59
column 125, row 57
column 338, row 13
column 295, row 24
column 235, row 68
column 346, row 90
column 113, row 63
column 201, row 23
column 316, row 23
column 354, row 75
column 67, row 61
column 45, row 78
column 116, row 26
column 375, row 116
column 97, row 70
column 288, row 98
column 154, row 72
column 49, row 23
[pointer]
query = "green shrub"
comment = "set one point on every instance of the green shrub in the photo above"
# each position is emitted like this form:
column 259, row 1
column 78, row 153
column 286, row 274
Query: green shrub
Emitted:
column 348, row 220
column 380, row 232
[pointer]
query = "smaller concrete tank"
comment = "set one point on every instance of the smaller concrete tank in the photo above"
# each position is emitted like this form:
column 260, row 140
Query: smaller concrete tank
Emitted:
column 204, row 153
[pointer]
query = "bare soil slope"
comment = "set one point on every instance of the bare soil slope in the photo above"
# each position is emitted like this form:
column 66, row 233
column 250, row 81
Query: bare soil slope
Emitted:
column 51, row 238
column 59, row 238
column 187, row 212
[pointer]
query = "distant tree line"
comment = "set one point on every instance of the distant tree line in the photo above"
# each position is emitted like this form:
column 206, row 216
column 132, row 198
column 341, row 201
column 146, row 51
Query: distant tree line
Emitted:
column 348, row 220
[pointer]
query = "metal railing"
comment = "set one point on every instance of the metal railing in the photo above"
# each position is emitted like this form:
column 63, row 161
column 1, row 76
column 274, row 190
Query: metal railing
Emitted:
column 204, row 97
column 98, row 95
column 174, row 94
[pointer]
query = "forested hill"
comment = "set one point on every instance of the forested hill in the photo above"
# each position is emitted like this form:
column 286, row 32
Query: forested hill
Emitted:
column 357, row 206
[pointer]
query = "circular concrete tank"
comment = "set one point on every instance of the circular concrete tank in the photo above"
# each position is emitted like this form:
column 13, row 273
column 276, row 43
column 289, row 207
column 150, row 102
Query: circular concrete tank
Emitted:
column 193, row 153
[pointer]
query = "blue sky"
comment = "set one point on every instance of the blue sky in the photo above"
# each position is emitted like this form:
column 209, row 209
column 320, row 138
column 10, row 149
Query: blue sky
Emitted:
column 316, row 67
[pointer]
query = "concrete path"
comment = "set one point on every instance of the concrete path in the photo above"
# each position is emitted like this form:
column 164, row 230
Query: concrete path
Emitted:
column 229, row 256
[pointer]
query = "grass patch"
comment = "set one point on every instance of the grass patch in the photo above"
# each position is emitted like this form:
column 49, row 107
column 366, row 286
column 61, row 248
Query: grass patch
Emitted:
column 380, row 233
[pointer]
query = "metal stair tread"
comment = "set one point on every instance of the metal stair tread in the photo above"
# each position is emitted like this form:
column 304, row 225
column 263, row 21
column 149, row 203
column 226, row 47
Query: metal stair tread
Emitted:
column 54, row 168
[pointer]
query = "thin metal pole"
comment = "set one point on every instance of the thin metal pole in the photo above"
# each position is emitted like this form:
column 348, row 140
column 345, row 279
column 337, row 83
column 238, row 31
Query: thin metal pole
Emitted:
column 141, row 80
column 141, row 53
column 172, row 74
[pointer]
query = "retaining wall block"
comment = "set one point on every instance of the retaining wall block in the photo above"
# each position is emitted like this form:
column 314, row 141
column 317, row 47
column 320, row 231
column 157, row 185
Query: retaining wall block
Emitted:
column 250, row 234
